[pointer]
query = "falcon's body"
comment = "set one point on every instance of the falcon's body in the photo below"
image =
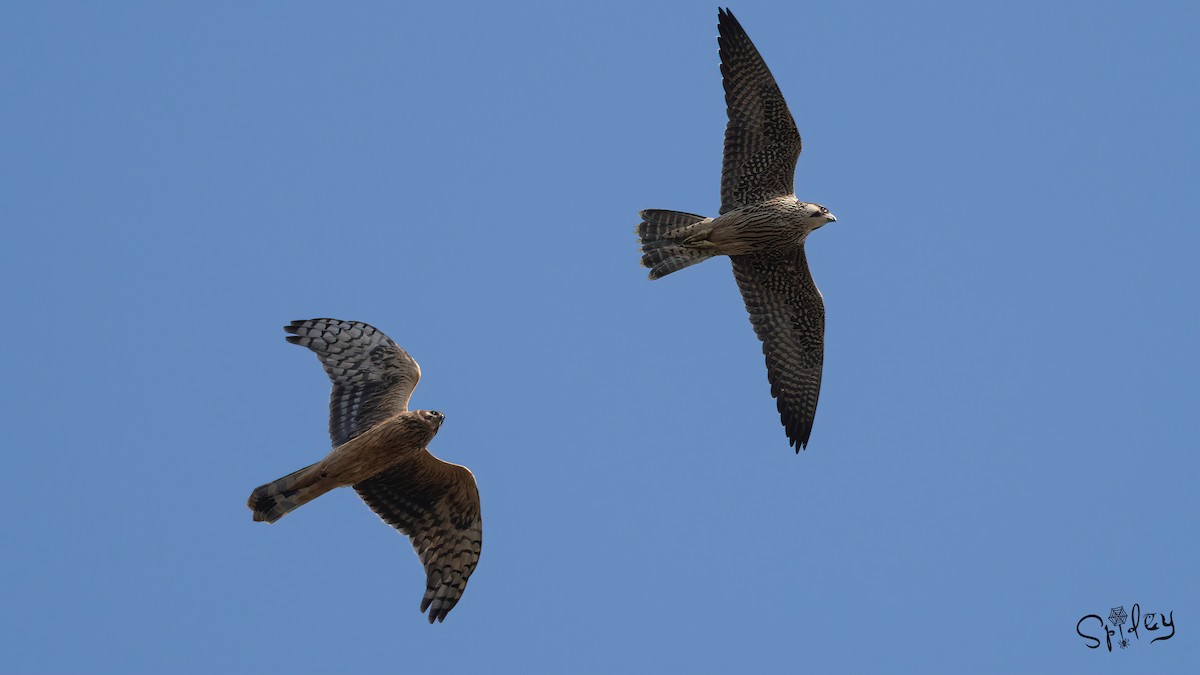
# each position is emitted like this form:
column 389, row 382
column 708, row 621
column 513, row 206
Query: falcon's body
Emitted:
column 782, row 222
column 762, row 227
column 380, row 450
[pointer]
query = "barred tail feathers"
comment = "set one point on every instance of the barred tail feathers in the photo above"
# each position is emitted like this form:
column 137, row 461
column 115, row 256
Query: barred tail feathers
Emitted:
column 662, row 234
column 274, row 500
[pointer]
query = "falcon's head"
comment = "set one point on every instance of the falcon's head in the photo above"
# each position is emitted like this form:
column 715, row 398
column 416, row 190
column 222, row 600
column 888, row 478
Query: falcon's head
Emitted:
column 817, row 215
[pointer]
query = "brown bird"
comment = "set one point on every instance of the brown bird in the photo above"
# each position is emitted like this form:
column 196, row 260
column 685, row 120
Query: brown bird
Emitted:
column 379, row 448
column 761, row 227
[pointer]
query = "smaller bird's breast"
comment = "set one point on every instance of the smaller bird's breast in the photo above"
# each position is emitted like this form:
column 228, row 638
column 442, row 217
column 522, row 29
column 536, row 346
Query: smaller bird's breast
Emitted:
column 379, row 448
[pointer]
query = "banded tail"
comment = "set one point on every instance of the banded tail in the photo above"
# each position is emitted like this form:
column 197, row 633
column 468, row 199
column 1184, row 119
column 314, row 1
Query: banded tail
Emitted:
column 662, row 234
column 276, row 499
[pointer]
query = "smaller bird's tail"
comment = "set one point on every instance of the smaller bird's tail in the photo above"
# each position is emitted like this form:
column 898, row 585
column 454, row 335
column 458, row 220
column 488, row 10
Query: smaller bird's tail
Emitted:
column 662, row 234
column 272, row 501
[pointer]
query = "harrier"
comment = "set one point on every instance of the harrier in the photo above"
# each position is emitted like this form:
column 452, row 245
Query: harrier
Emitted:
column 379, row 447
column 761, row 227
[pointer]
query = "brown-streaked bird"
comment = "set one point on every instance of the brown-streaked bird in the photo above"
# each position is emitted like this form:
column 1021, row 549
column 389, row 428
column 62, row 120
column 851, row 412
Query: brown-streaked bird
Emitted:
column 379, row 447
column 761, row 227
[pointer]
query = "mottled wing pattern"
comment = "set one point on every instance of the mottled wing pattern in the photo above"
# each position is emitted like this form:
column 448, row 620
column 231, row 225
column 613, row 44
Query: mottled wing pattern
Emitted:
column 373, row 378
column 437, row 505
column 788, row 315
column 761, row 140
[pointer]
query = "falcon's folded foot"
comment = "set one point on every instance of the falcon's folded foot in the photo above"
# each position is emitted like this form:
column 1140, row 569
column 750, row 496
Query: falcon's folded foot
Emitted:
column 700, row 239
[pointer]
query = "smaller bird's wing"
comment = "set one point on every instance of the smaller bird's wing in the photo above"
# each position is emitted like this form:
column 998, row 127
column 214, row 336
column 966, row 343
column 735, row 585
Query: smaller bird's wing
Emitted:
column 436, row 504
column 788, row 315
column 761, row 140
column 373, row 378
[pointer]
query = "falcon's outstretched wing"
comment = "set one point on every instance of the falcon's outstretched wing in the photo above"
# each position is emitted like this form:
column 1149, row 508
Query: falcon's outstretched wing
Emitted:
column 788, row 315
column 373, row 378
column 761, row 140
column 437, row 505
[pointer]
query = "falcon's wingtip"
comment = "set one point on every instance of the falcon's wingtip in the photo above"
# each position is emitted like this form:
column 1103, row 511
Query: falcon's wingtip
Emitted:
column 725, row 17
column 798, row 439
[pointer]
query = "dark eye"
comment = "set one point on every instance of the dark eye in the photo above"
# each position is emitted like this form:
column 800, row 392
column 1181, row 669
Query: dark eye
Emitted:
column 824, row 210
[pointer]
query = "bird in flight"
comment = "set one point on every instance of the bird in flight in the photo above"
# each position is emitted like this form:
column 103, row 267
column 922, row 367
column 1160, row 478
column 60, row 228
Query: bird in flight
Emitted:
column 379, row 448
column 761, row 227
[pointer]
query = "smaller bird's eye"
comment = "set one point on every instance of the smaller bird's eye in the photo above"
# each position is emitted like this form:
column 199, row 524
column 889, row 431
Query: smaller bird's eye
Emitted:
column 824, row 210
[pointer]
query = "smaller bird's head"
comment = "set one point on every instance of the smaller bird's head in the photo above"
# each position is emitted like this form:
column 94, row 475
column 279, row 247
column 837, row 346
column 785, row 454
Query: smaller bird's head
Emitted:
column 418, row 427
column 432, row 417
column 817, row 215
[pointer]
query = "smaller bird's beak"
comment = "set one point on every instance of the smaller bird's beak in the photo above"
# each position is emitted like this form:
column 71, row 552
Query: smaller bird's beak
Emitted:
column 832, row 218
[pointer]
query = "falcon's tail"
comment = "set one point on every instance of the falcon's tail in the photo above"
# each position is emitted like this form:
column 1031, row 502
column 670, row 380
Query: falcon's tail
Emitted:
column 662, row 234
column 272, row 501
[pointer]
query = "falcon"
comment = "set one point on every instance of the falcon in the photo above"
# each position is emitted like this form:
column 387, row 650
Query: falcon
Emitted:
column 761, row 227
column 379, row 448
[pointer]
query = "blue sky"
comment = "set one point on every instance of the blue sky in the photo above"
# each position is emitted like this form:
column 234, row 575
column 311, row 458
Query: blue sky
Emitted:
column 1007, row 436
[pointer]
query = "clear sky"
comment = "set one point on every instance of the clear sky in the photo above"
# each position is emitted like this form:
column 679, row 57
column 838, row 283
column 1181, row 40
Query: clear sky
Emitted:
column 1007, row 436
